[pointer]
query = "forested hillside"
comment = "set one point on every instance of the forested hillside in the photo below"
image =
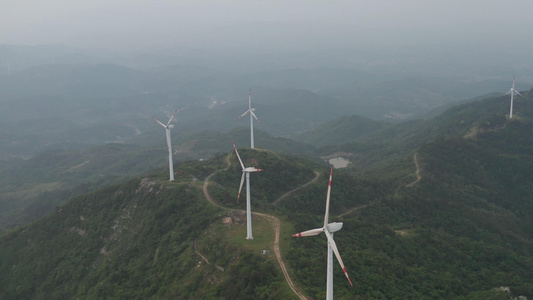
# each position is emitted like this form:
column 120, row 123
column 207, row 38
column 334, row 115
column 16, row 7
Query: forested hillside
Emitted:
column 445, row 213
column 461, row 231
column 389, row 150
column 137, row 239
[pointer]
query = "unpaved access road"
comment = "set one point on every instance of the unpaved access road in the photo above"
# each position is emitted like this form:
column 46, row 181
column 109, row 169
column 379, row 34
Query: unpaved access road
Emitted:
column 274, row 222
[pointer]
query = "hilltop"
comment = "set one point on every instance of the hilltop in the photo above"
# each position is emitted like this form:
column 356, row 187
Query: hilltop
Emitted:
column 143, row 238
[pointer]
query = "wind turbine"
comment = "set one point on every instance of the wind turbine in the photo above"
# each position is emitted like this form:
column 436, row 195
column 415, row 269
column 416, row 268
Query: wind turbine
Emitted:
column 328, row 229
column 512, row 92
column 246, row 171
column 252, row 116
column 169, row 144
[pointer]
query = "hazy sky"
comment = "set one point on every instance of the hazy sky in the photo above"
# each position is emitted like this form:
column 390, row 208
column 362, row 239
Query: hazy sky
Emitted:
column 291, row 23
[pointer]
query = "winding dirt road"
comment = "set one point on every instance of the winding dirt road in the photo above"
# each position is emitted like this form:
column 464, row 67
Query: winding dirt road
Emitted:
column 317, row 174
column 276, row 226
column 352, row 210
column 418, row 177
column 197, row 252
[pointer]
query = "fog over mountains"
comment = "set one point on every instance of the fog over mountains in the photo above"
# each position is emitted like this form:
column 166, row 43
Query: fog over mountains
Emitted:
column 46, row 91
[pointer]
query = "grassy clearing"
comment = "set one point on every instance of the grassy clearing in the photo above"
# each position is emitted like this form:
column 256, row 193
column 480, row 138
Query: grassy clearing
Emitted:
column 261, row 231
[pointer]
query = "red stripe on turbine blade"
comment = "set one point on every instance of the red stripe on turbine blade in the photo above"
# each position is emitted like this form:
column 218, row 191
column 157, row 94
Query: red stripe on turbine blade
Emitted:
column 348, row 277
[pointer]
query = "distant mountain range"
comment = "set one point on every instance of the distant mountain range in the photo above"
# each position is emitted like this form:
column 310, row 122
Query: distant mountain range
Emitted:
column 83, row 105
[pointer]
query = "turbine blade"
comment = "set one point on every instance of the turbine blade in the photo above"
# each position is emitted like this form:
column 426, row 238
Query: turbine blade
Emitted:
column 331, row 242
column 159, row 122
column 244, row 114
column 250, row 100
column 255, row 116
column 326, row 217
column 240, row 187
column 172, row 117
column 242, row 165
column 518, row 93
column 309, row 232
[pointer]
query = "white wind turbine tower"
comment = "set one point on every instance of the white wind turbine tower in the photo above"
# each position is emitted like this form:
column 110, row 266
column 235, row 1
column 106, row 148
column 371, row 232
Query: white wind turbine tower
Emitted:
column 512, row 92
column 252, row 116
column 169, row 144
column 246, row 172
column 328, row 229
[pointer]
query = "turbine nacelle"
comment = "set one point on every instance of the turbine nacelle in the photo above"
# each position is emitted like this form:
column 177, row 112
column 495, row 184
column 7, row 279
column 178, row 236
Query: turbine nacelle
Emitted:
column 168, row 125
column 514, row 92
column 334, row 227
column 251, row 169
column 245, row 169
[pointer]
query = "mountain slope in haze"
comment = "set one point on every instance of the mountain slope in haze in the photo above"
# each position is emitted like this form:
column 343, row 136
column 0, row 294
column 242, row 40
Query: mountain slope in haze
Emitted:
column 83, row 105
column 34, row 187
column 21, row 57
column 340, row 130
column 65, row 104
column 398, row 142
column 283, row 112
column 409, row 96
column 76, row 80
